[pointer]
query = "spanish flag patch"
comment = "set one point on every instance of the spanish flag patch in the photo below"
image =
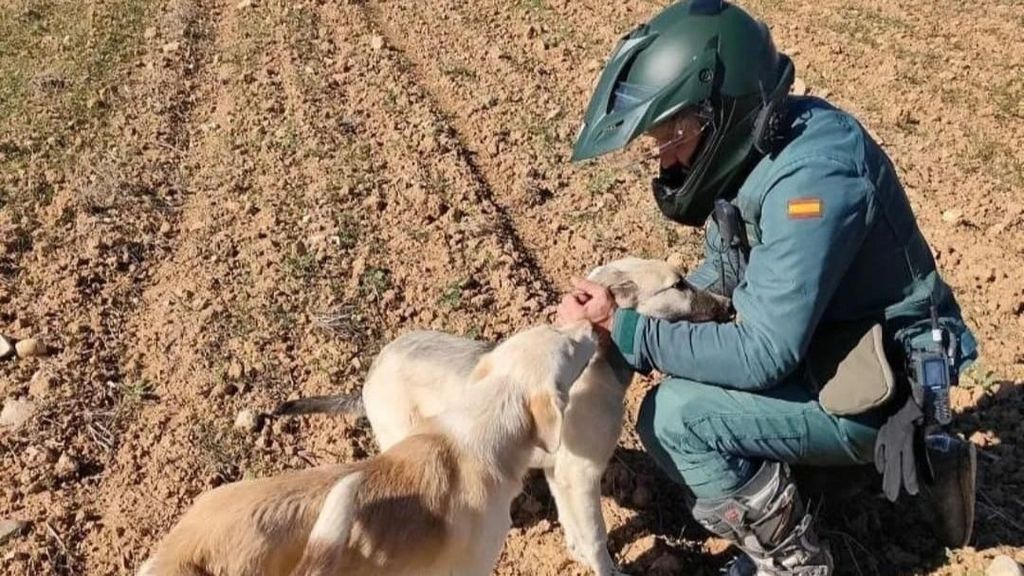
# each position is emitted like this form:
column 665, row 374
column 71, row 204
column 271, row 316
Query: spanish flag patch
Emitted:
column 804, row 208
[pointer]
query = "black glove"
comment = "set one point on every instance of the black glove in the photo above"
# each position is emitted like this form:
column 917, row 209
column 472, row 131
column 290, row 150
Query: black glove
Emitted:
column 895, row 450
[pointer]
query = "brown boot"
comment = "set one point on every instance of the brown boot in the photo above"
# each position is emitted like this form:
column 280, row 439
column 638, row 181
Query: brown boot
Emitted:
column 949, row 501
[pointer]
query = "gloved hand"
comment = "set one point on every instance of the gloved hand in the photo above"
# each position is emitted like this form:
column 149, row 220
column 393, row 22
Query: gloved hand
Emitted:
column 895, row 450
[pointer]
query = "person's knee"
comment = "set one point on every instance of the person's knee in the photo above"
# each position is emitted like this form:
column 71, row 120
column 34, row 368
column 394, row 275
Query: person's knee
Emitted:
column 667, row 413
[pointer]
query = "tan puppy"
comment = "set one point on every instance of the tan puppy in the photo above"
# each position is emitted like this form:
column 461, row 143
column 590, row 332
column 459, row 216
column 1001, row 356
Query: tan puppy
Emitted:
column 421, row 373
column 435, row 503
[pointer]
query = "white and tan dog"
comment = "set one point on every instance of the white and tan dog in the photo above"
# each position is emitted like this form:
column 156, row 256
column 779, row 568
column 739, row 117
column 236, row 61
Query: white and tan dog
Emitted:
column 421, row 373
column 435, row 503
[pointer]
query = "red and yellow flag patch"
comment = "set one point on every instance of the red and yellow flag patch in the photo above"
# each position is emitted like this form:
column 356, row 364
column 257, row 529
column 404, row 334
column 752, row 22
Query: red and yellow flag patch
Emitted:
column 804, row 208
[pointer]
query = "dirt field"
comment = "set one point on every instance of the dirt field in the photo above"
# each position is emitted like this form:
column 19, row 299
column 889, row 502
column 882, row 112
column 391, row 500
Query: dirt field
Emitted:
column 208, row 207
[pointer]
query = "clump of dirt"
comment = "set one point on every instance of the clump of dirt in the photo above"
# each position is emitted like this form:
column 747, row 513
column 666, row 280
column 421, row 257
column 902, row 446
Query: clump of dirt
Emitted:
column 207, row 208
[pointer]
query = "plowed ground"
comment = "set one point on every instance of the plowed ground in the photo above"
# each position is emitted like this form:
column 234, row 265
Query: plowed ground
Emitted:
column 212, row 206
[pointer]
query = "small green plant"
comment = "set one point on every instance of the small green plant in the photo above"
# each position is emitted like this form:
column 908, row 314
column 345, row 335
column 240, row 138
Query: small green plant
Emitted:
column 374, row 281
column 301, row 266
column 136, row 390
column 458, row 72
column 348, row 232
column 452, row 295
column 601, row 182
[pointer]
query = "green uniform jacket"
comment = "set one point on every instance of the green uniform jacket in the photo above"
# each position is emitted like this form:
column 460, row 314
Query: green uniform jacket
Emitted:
column 833, row 239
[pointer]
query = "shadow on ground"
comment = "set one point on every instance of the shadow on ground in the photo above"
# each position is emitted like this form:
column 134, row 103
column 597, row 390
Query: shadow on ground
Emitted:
column 868, row 534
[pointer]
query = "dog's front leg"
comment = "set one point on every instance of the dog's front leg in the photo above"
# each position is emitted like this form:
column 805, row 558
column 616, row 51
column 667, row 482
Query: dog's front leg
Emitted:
column 591, row 535
column 566, row 514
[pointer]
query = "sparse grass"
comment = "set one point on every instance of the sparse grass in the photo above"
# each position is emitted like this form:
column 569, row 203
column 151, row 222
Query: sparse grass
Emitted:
column 458, row 72
column 374, row 281
column 1009, row 95
column 451, row 298
column 136, row 390
column 981, row 376
column 534, row 5
column 348, row 232
column 301, row 266
column 62, row 62
column 601, row 182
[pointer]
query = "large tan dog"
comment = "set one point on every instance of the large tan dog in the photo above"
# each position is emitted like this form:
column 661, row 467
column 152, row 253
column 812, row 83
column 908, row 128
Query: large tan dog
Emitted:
column 421, row 373
column 435, row 503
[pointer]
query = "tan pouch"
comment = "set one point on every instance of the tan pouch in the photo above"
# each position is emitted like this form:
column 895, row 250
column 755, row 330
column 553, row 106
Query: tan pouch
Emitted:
column 847, row 364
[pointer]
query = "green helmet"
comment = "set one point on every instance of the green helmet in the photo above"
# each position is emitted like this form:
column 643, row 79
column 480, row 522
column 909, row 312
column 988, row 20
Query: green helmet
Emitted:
column 708, row 56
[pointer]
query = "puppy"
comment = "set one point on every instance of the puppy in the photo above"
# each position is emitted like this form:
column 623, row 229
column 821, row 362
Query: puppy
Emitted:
column 421, row 373
column 435, row 503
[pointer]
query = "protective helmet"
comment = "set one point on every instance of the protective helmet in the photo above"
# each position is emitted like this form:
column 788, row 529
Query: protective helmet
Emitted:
column 708, row 56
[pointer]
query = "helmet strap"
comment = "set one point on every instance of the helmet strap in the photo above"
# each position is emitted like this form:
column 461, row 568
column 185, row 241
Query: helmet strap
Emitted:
column 767, row 124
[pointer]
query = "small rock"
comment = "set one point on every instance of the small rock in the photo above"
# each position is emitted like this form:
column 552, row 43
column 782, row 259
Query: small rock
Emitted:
column 165, row 228
column 244, row 4
column 980, row 438
column 953, row 216
column 1003, row 565
column 248, row 421
column 67, row 467
column 150, row 33
column 9, row 528
column 30, row 347
column 171, row 47
column 377, row 43
column 6, row 348
column 16, row 413
column 41, row 384
column 800, row 87
column 235, row 371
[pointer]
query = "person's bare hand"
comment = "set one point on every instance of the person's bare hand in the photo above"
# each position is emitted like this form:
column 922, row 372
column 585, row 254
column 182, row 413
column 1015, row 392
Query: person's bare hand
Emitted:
column 589, row 302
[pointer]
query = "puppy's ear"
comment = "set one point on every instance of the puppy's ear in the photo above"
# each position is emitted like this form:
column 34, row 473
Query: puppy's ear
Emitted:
column 546, row 412
column 626, row 293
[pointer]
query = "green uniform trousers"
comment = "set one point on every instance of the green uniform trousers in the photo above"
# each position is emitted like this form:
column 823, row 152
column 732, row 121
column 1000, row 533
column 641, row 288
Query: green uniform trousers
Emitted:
column 713, row 439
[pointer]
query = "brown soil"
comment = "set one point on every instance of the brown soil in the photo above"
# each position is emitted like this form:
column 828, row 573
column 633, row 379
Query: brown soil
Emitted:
column 208, row 206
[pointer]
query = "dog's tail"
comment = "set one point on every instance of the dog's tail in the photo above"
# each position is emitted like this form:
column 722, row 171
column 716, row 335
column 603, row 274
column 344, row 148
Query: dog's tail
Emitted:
column 351, row 404
column 329, row 538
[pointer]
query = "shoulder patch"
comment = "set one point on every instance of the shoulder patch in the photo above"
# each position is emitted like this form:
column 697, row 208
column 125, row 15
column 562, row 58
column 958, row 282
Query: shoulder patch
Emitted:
column 798, row 208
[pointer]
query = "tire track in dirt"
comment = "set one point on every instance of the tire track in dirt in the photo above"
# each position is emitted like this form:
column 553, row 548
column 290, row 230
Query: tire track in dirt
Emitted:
column 299, row 202
column 93, row 254
column 514, row 91
column 409, row 69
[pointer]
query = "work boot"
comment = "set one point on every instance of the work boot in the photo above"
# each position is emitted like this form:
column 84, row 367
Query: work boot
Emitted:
column 767, row 520
column 949, row 501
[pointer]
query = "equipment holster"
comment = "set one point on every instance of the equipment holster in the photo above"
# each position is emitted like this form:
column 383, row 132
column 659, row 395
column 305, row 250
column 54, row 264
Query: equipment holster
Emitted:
column 848, row 366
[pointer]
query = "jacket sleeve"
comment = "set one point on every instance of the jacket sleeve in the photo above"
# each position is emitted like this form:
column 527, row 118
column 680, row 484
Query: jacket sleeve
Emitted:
column 789, row 281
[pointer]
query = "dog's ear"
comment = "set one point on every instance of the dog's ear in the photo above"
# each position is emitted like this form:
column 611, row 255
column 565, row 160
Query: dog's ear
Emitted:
column 626, row 293
column 546, row 412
